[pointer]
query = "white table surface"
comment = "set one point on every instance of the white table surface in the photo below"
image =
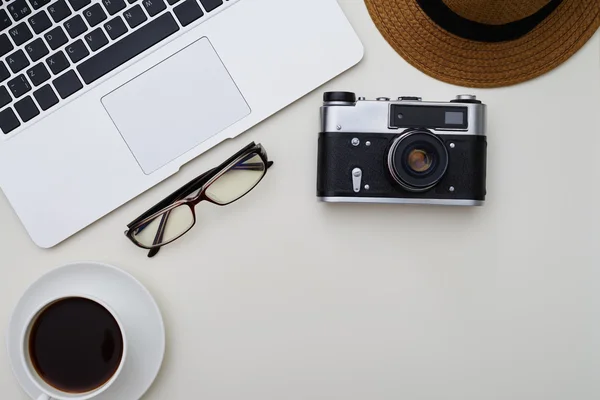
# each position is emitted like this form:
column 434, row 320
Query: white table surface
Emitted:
column 280, row 297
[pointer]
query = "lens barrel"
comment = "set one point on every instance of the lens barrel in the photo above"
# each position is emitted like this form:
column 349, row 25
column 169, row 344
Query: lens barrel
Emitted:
column 417, row 160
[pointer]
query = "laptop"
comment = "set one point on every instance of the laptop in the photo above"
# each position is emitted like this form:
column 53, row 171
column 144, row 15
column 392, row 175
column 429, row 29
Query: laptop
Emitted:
column 101, row 100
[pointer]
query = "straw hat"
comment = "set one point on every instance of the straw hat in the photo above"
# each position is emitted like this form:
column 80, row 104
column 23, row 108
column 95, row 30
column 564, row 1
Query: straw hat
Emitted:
column 486, row 43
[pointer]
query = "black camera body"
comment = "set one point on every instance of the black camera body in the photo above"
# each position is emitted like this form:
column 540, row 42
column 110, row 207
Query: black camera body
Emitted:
column 405, row 151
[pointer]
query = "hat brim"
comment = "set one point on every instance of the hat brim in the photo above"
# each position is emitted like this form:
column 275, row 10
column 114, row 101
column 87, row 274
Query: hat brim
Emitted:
column 463, row 62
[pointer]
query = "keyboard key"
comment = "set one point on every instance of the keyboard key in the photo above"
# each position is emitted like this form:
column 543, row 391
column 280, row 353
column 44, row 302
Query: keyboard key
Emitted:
column 188, row 11
column 94, row 15
column 19, row 86
column 114, row 6
column 75, row 26
column 67, row 84
column 96, row 39
column 20, row 33
column 79, row 4
column 4, row 97
column 45, row 97
column 8, row 121
column 77, row 51
column 135, row 16
column 154, row 6
column 127, row 48
column 19, row 9
column 59, row 10
column 40, row 22
column 171, row 2
column 6, row 45
column 210, row 5
column 56, row 38
column 4, row 73
column 38, row 74
column 17, row 61
column 115, row 28
column 57, row 62
column 5, row 21
column 37, row 4
column 36, row 49
column 27, row 109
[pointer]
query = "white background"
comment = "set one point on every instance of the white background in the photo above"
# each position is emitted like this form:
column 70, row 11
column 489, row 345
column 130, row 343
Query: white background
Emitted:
column 281, row 297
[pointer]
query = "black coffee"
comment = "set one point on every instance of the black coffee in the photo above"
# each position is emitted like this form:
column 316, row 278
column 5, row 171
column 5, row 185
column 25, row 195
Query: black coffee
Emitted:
column 76, row 345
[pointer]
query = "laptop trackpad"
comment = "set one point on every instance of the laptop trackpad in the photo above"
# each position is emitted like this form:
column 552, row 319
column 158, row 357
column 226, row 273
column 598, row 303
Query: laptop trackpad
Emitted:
column 176, row 105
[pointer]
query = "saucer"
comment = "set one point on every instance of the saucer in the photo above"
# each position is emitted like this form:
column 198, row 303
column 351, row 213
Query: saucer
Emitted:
column 132, row 302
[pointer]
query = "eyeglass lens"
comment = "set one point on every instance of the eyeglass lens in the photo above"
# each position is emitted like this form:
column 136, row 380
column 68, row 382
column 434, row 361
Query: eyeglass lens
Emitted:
column 237, row 181
column 173, row 224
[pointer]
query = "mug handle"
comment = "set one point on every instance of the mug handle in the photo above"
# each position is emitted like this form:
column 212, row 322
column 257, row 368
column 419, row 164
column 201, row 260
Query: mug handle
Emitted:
column 44, row 396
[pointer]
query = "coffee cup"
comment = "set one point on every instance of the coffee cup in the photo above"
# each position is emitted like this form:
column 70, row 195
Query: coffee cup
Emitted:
column 73, row 348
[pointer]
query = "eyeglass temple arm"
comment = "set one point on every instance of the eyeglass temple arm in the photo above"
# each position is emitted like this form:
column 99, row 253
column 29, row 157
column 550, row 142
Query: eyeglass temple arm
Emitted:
column 194, row 184
column 163, row 221
column 159, row 234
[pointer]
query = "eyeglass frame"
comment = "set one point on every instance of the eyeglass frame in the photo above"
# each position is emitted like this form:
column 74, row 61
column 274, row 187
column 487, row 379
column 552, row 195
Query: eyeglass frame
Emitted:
column 201, row 183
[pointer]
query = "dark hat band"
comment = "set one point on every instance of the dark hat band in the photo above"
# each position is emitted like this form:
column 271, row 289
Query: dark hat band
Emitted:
column 465, row 28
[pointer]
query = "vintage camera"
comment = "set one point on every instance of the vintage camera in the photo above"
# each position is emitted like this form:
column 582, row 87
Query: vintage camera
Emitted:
column 404, row 151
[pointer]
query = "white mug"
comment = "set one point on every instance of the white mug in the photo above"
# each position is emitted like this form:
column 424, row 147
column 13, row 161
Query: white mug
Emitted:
column 49, row 392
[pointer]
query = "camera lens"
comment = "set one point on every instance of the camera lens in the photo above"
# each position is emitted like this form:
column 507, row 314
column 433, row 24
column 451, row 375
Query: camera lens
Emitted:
column 418, row 160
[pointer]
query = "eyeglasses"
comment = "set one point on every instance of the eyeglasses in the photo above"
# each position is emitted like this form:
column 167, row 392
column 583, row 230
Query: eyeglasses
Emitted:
column 174, row 216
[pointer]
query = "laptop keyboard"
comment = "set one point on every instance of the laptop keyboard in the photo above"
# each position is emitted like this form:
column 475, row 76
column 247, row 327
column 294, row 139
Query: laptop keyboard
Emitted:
column 50, row 50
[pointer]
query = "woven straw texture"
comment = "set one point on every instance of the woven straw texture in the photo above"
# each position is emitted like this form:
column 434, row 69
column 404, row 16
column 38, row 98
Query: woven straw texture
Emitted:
column 463, row 62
